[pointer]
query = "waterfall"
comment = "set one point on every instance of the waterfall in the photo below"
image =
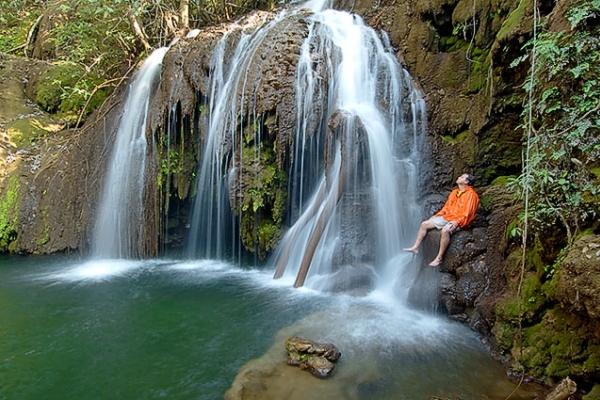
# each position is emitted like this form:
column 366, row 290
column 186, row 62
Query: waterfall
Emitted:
column 119, row 220
column 354, row 163
column 214, row 232
column 377, row 101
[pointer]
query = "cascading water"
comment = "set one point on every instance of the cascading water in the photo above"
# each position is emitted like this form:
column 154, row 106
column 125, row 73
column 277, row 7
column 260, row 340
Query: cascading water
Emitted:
column 359, row 119
column 377, row 100
column 166, row 325
column 214, row 228
column 120, row 215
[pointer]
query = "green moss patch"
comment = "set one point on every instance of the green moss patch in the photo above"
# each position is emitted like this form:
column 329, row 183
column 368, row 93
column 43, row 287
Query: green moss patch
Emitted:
column 458, row 139
column 512, row 21
column 529, row 304
column 501, row 180
column 9, row 215
column 594, row 394
column 560, row 346
column 262, row 200
column 24, row 132
column 66, row 88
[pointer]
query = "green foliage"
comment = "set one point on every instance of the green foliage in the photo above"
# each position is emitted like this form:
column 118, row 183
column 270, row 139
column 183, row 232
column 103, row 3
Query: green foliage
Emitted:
column 100, row 34
column 565, row 125
column 582, row 11
column 9, row 215
column 95, row 34
column 594, row 394
column 514, row 230
column 171, row 164
column 15, row 20
column 102, row 38
column 66, row 88
column 262, row 199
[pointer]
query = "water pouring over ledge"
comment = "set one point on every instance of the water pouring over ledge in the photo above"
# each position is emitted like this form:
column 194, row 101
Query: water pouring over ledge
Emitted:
column 352, row 165
column 118, row 229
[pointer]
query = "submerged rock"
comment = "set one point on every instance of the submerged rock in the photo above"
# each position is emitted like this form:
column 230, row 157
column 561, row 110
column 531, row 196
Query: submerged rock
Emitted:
column 317, row 358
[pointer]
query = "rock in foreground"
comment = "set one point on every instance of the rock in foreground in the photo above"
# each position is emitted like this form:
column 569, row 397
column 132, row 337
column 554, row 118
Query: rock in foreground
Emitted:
column 317, row 358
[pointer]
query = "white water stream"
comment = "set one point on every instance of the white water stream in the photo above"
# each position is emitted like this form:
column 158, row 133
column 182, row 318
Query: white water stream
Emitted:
column 120, row 215
column 366, row 84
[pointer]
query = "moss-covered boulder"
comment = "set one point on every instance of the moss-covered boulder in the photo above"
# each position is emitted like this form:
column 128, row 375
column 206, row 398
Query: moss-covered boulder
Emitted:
column 560, row 345
column 66, row 89
column 578, row 281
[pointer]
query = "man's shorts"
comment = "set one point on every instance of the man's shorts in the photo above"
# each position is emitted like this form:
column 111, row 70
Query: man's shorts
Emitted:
column 441, row 222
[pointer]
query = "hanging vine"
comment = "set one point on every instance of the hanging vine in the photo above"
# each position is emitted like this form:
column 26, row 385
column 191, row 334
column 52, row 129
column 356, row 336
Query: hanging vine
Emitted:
column 559, row 183
column 562, row 172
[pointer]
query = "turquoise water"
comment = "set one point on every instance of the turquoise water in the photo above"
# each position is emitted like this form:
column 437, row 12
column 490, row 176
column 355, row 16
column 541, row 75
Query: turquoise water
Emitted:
column 73, row 329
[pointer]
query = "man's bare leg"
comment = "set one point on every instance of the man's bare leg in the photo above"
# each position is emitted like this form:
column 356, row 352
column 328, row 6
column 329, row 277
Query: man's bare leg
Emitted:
column 423, row 229
column 444, row 242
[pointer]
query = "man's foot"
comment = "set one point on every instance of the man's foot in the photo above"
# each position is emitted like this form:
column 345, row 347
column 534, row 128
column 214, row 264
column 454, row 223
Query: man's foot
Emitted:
column 435, row 262
column 414, row 250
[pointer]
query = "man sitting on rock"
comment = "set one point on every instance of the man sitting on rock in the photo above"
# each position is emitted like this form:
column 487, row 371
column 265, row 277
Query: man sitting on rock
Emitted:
column 458, row 212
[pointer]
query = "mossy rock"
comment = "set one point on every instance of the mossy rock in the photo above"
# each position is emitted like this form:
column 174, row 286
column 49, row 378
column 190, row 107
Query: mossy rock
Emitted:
column 460, row 138
column 560, row 345
column 262, row 197
column 594, row 394
column 502, row 180
column 24, row 132
column 532, row 300
column 512, row 21
column 504, row 334
column 9, row 214
column 65, row 88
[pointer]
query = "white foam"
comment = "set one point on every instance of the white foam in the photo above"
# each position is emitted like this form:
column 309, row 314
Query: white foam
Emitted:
column 97, row 270
column 203, row 265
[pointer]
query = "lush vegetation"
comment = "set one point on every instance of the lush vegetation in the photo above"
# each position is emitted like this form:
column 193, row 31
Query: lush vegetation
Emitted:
column 99, row 41
column 560, row 189
column 562, row 168
column 9, row 217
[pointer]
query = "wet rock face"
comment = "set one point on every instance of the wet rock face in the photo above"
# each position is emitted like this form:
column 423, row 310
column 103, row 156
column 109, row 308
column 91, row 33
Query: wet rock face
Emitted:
column 258, row 117
column 55, row 178
column 267, row 91
column 578, row 286
column 465, row 273
column 473, row 264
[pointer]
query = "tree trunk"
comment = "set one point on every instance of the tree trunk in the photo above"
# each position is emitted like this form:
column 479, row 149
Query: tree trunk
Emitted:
column 322, row 222
column 139, row 31
column 184, row 13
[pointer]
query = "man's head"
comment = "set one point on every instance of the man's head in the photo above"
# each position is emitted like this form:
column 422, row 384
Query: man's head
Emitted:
column 466, row 179
column 470, row 179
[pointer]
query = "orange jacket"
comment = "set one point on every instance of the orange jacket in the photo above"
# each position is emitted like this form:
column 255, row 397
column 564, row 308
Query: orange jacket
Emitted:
column 460, row 207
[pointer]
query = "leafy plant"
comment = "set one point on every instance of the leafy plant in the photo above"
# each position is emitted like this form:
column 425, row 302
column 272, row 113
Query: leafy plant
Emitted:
column 15, row 20
column 565, row 125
